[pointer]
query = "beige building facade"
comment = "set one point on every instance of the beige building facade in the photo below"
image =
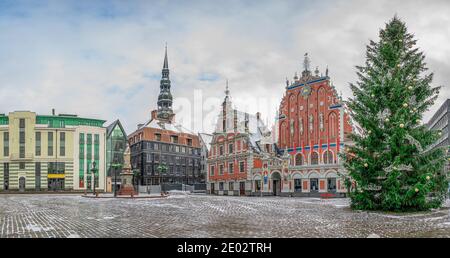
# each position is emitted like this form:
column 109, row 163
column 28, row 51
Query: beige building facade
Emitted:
column 51, row 153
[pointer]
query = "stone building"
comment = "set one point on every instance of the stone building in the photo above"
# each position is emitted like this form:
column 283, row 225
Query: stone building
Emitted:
column 163, row 150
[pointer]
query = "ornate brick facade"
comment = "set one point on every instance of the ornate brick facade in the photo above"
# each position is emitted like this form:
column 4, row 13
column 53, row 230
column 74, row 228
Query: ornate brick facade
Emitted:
column 313, row 128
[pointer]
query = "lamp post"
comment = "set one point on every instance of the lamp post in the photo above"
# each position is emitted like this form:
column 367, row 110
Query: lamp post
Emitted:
column 116, row 165
column 162, row 168
column 93, row 174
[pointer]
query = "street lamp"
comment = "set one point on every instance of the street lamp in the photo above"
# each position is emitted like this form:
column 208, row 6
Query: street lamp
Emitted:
column 116, row 165
column 162, row 168
column 93, row 174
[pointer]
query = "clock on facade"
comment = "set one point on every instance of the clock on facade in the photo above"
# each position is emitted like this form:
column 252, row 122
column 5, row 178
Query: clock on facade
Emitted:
column 306, row 90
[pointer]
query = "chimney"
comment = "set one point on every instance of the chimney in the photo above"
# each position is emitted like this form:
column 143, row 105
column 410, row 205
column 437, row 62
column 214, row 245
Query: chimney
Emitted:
column 154, row 114
column 258, row 115
column 53, row 111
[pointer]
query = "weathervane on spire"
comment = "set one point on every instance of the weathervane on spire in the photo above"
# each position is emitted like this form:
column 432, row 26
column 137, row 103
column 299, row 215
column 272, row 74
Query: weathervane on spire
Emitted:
column 227, row 91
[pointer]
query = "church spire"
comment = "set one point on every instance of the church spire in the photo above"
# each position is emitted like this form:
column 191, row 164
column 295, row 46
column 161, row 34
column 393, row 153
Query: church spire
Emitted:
column 165, row 111
column 166, row 62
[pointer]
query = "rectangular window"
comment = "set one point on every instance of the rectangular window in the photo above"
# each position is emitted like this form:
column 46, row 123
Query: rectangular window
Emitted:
column 81, row 138
column 6, row 144
column 231, row 186
column 38, row 176
column 158, row 137
column 22, row 138
column 230, row 168
column 220, row 169
column 81, row 161
column 189, row 142
column 221, row 186
column 174, row 139
column 89, row 147
column 21, row 123
column 50, row 144
column 230, row 148
column 56, row 168
column 221, row 150
column 242, row 166
column 211, row 170
column 38, row 144
column 62, row 144
column 5, row 176
column 21, row 165
column 96, row 147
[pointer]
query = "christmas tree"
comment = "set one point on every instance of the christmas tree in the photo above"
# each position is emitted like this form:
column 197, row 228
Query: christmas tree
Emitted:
column 391, row 165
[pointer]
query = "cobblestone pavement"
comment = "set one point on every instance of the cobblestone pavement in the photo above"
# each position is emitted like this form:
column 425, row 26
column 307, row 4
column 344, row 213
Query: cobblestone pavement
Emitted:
column 207, row 216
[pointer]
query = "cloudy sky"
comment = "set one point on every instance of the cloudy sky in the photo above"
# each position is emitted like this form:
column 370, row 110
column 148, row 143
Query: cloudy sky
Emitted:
column 103, row 59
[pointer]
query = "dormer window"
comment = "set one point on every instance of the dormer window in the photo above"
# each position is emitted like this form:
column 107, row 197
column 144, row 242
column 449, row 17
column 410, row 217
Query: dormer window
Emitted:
column 158, row 137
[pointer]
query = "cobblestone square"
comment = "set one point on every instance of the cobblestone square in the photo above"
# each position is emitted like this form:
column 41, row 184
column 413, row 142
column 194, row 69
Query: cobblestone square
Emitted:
column 181, row 215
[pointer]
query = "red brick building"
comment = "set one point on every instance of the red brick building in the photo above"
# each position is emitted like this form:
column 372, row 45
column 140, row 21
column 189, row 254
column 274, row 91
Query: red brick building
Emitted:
column 313, row 127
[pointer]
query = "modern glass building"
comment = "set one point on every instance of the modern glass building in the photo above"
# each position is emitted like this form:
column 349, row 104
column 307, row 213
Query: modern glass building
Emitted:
column 116, row 143
column 55, row 153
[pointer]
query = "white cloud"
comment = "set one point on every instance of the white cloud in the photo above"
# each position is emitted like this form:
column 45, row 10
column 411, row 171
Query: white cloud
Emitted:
column 104, row 60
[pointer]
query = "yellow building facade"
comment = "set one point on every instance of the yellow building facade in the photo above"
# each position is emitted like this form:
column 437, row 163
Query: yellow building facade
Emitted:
column 51, row 153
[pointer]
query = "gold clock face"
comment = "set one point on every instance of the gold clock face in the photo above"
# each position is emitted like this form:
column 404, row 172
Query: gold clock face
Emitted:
column 306, row 90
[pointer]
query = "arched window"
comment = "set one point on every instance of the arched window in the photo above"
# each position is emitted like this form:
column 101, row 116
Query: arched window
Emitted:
column 314, row 158
column 299, row 160
column 328, row 157
column 332, row 125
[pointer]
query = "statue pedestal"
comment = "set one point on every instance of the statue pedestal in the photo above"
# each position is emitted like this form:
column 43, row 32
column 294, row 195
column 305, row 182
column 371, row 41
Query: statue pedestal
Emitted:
column 127, row 187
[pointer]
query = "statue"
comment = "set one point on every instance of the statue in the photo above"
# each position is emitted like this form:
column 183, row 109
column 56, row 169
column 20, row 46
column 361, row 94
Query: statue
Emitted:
column 127, row 187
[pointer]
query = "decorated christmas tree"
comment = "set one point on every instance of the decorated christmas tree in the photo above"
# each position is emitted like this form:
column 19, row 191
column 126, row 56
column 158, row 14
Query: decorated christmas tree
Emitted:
column 391, row 164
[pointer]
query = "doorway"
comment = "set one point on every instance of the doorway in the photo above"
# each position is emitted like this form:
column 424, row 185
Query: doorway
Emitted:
column 242, row 188
column 22, row 184
column 276, row 183
column 212, row 188
column 55, row 184
column 331, row 185
column 314, row 182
